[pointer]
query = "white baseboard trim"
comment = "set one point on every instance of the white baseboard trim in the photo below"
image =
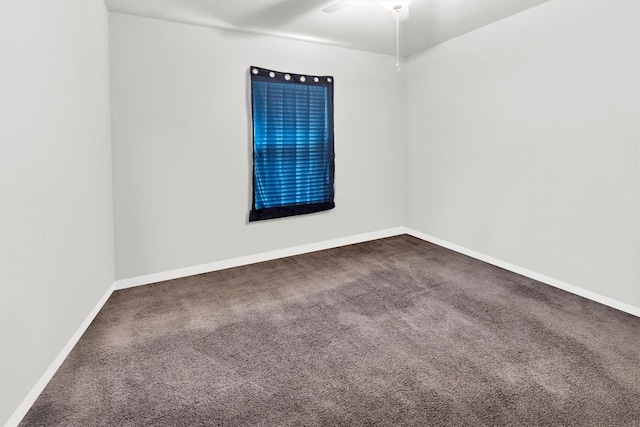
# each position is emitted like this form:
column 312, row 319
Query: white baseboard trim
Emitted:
column 334, row 243
column 252, row 259
column 593, row 296
column 30, row 399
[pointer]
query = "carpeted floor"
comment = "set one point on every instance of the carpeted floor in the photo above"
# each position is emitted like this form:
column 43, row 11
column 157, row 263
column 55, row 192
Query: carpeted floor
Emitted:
column 390, row 332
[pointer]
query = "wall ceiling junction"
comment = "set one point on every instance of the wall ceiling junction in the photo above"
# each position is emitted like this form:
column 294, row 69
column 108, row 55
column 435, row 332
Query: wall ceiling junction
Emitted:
column 363, row 25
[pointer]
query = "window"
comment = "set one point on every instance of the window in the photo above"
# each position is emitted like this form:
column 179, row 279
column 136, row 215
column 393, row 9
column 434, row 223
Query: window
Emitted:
column 293, row 157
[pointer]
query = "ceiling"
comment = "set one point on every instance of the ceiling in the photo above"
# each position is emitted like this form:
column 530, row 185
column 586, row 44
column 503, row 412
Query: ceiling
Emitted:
column 361, row 24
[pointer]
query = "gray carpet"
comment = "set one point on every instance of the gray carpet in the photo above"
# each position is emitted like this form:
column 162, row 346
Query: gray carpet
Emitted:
column 391, row 332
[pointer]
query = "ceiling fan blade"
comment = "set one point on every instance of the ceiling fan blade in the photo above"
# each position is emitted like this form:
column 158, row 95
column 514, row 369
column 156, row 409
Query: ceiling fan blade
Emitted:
column 335, row 7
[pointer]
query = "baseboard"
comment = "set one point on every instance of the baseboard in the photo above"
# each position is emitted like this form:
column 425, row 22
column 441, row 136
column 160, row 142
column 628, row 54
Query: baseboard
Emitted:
column 30, row 399
column 252, row 259
column 593, row 296
column 334, row 243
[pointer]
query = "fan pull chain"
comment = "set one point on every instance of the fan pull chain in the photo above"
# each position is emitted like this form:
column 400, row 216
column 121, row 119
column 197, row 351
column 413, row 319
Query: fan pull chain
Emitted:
column 397, row 10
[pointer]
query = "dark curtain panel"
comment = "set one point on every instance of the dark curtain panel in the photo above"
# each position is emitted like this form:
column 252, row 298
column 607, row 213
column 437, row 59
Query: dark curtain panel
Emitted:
column 293, row 156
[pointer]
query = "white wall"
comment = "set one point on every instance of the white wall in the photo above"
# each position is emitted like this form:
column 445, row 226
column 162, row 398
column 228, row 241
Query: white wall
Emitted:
column 56, row 216
column 182, row 149
column 524, row 143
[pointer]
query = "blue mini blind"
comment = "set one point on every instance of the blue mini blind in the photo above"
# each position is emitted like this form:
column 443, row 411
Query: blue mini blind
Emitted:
column 293, row 156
